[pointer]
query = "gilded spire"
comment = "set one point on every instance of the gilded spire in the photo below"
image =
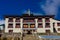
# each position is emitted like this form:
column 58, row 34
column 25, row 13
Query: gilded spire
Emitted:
column 28, row 11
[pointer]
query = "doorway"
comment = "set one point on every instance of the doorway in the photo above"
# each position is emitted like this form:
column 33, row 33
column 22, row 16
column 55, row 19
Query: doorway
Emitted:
column 29, row 32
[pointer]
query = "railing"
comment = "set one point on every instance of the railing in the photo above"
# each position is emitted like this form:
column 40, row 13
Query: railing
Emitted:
column 47, row 20
column 28, row 20
column 10, row 20
column 40, row 26
column 47, row 26
column 17, row 21
column 10, row 26
column 39, row 20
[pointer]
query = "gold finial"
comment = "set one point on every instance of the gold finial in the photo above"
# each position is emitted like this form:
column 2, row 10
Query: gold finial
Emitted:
column 28, row 12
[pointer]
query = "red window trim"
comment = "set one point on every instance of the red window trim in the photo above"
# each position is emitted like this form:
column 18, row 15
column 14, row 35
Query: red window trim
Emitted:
column 10, row 26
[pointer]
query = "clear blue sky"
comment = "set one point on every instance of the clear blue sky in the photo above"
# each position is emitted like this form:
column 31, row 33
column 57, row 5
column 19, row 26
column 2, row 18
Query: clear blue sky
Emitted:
column 17, row 7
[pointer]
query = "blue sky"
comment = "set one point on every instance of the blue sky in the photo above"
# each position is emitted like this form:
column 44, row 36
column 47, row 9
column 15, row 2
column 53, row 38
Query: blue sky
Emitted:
column 17, row 7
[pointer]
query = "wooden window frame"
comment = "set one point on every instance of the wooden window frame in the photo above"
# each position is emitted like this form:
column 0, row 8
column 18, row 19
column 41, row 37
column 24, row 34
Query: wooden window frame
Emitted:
column 10, row 25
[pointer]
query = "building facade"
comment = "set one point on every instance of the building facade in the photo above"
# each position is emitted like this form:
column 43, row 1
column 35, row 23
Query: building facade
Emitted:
column 31, row 23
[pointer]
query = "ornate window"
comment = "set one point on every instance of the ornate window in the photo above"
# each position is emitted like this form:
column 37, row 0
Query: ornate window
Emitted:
column 17, row 19
column 25, row 26
column 47, row 25
column 58, row 24
column 40, row 25
column 32, row 26
column 10, row 19
column 17, row 26
column 47, row 20
column 39, row 19
column 10, row 26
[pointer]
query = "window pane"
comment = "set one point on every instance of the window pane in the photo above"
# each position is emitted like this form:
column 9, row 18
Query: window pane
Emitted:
column 10, row 19
column 17, row 19
column 32, row 26
column 40, row 25
column 17, row 26
column 58, row 24
column 39, row 19
column 47, row 25
column 47, row 20
column 10, row 26
column 25, row 26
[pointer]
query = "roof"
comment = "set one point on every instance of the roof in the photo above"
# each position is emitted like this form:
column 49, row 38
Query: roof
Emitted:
column 31, row 15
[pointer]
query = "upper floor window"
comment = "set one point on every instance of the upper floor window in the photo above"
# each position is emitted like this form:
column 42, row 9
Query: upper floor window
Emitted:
column 32, row 26
column 10, row 19
column 58, row 24
column 58, row 29
column 17, row 26
column 17, row 19
column 39, row 19
column 10, row 26
column 40, row 25
column 47, row 20
column 47, row 25
column 25, row 25
column 28, row 20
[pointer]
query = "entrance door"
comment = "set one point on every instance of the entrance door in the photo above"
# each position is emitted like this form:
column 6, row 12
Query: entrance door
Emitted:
column 29, row 32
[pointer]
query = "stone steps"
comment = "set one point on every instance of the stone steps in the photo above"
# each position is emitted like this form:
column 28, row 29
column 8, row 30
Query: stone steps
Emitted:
column 29, row 37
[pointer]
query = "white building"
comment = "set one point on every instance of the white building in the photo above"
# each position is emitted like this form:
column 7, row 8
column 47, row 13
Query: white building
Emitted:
column 31, row 23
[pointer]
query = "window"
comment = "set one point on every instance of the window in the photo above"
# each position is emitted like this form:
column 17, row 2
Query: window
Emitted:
column 10, row 19
column 39, row 19
column 47, row 25
column 0, row 35
column 17, row 19
column 28, row 20
column 17, row 26
column 40, row 25
column 10, row 26
column 32, row 26
column 58, row 24
column 25, row 26
column 58, row 29
column 10, row 31
column 47, row 31
column 47, row 20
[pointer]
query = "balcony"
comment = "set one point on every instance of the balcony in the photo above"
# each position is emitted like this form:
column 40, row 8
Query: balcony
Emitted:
column 25, row 26
column 47, row 20
column 58, row 24
column 39, row 20
column 28, row 20
column 17, row 20
column 40, row 26
column 32, row 26
column 10, row 20
column 47, row 26
column 17, row 26
column 10, row 26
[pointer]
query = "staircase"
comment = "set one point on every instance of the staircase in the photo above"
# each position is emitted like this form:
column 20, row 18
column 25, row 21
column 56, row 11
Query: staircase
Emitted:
column 29, row 37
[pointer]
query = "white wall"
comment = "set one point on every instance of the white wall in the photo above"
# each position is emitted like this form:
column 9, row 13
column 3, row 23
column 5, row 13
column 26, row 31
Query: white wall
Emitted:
column 15, row 30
